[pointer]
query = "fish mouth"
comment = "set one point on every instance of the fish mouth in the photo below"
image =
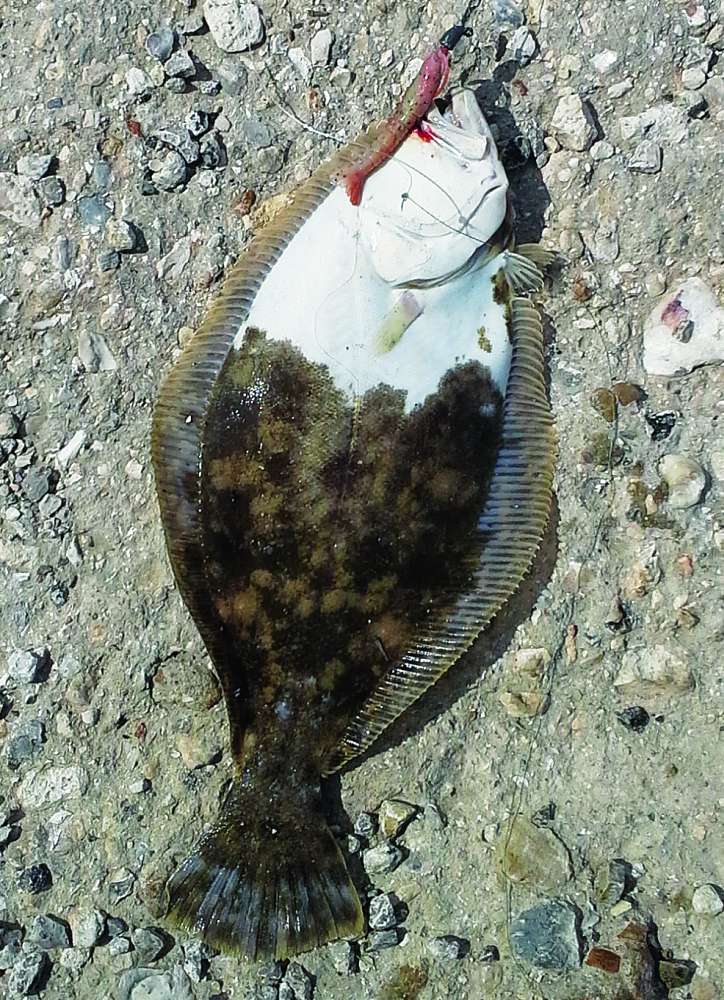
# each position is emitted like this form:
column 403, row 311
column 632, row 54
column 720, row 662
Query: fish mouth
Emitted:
column 436, row 202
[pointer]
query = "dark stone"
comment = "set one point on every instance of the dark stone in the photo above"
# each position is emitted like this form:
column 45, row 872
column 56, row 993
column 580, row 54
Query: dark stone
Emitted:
column 35, row 879
column 634, row 718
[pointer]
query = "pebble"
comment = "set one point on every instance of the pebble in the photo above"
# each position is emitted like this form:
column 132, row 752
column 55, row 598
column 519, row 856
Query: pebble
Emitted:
column 321, row 47
column 25, row 744
column 18, row 201
column 176, row 85
column 635, row 718
column 120, row 884
column 87, row 927
column 533, row 855
column 684, row 331
column 382, row 859
column 234, row 26
column 160, row 43
column 213, row 152
column 708, row 900
column 547, row 936
column 122, row 235
column 366, row 825
column 197, row 123
column 147, row 984
column 94, row 353
column 36, row 484
column 94, row 210
column 297, row 983
column 138, row 82
column 344, row 958
column 54, row 784
column 35, row 879
column 51, row 191
column 109, row 260
column 29, row 666
column 394, row 816
column 179, row 138
column 380, row 940
column 169, row 170
column 27, row 973
column 602, row 150
column 48, row 932
column 196, row 960
column 171, row 266
column 341, row 77
column 603, row 62
column 148, row 943
column 119, row 946
column 180, row 65
column 9, row 425
column 693, row 78
column 34, row 165
column 300, row 61
column 573, row 124
column 448, row 947
column 382, row 914
column 232, row 77
column 523, row 45
column 653, row 672
column 685, row 479
column 646, row 158
column 508, row 13
column 10, row 946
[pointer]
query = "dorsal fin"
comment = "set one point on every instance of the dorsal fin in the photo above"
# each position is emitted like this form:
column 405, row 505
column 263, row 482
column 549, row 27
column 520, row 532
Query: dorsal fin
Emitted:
column 510, row 529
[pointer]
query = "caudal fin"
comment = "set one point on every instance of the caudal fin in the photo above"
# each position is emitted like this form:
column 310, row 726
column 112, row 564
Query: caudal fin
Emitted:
column 263, row 888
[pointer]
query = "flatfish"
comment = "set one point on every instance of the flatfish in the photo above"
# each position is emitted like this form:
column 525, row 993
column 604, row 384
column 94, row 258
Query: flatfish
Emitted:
column 354, row 459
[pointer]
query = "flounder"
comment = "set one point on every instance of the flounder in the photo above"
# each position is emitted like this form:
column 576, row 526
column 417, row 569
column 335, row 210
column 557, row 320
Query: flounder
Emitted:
column 354, row 459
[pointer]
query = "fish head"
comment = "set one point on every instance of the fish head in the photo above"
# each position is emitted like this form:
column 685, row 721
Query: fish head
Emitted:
column 438, row 200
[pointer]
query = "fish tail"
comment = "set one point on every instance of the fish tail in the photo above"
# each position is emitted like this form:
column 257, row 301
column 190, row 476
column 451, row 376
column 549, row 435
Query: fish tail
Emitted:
column 265, row 887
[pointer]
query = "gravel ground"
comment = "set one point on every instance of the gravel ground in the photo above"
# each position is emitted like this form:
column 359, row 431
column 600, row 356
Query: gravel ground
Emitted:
column 548, row 818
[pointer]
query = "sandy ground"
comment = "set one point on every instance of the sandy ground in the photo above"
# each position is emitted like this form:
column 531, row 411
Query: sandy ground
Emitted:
column 570, row 770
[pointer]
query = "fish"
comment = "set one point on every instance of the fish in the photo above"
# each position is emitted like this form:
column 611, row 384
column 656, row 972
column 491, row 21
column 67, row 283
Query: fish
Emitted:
column 354, row 461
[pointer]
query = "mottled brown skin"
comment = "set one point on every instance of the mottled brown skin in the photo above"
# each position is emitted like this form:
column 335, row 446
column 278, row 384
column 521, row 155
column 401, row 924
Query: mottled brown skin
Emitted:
column 331, row 531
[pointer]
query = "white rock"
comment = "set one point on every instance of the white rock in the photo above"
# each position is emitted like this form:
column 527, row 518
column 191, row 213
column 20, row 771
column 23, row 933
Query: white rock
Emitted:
column 55, row 784
column 604, row 61
column 95, row 354
column 620, row 88
column 138, row 82
column 696, row 15
column 693, row 78
column 18, row 201
column 523, row 45
column 234, row 26
column 573, row 124
column 34, row 165
column 602, row 150
column 684, row 331
column 87, row 927
column 70, row 450
column 652, row 673
column 172, row 266
column 320, row 47
column 708, row 900
column 646, row 158
column 685, row 479
column 299, row 60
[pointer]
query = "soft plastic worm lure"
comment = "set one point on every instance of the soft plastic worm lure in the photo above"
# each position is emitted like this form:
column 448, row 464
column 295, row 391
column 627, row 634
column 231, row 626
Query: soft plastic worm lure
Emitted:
column 413, row 107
